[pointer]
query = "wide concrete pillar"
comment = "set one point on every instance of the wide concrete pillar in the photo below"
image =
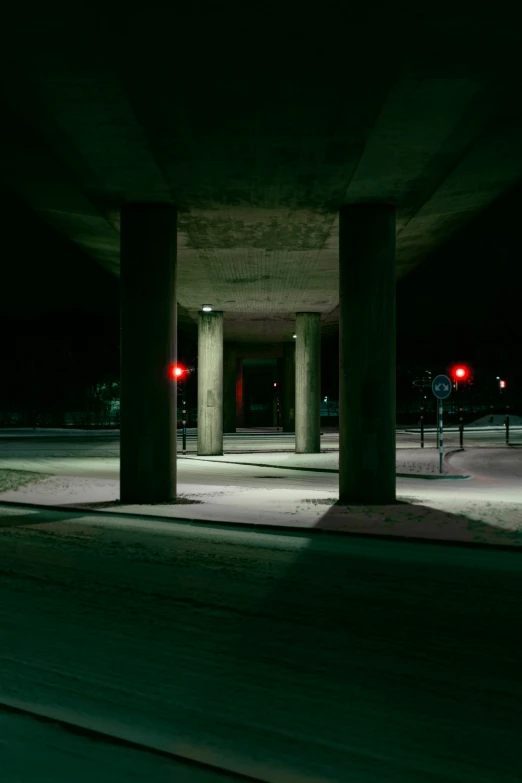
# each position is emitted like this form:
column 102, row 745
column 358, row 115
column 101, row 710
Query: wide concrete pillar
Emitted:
column 307, row 383
column 367, row 353
column 210, row 383
column 148, row 353
column 229, row 387
column 288, row 384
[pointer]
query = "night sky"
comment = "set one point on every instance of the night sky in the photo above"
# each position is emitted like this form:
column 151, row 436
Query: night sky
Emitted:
column 462, row 304
column 60, row 309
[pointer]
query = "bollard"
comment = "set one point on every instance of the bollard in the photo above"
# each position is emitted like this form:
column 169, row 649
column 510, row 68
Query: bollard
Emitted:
column 422, row 426
column 507, row 425
column 461, row 429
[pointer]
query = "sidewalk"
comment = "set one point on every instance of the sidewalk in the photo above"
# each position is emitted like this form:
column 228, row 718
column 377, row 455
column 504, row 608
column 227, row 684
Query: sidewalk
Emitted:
column 410, row 462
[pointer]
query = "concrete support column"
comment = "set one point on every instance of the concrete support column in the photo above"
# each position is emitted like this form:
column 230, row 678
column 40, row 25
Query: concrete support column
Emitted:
column 367, row 353
column 210, row 383
column 148, row 353
column 288, row 384
column 307, row 383
column 229, row 387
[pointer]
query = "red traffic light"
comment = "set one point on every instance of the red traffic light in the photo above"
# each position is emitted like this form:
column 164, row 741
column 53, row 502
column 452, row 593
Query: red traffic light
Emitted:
column 502, row 384
column 177, row 371
column 460, row 372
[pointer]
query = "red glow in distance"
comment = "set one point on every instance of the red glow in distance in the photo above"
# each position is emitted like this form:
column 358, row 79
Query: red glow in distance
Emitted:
column 177, row 371
column 460, row 372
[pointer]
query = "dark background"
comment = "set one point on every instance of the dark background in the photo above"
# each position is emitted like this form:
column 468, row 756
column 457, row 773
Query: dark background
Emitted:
column 60, row 315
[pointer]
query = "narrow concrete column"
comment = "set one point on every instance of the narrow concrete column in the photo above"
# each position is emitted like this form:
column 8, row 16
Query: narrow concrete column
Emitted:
column 367, row 353
column 307, row 383
column 288, row 384
column 148, row 353
column 210, row 383
column 229, row 387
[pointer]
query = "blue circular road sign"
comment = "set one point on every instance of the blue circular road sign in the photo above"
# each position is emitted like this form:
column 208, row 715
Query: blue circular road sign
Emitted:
column 441, row 387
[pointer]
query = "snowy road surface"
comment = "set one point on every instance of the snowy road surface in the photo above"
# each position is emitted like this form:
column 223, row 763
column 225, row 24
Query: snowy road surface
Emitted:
column 289, row 657
column 106, row 443
column 485, row 508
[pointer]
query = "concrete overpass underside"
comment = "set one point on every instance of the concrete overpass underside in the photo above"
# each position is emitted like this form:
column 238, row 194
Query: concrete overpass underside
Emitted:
column 258, row 124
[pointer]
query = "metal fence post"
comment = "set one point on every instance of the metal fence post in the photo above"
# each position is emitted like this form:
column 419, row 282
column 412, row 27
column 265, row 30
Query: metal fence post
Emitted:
column 507, row 425
column 422, row 426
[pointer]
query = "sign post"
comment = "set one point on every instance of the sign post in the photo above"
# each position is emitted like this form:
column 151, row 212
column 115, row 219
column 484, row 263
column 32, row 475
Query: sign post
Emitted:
column 441, row 388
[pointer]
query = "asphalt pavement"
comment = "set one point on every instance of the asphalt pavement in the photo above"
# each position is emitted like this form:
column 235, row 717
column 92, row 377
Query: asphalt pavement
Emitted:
column 289, row 657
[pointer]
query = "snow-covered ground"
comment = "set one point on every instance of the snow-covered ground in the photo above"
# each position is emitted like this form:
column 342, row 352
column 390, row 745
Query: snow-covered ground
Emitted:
column 497, row 420
column 12, row 480
column 410, row 460
column 275, row 489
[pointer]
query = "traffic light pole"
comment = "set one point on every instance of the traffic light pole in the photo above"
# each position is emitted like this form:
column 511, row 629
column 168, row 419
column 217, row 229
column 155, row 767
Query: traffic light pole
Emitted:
column 184, row 433
column 441, row 439
column 507, row 425
column 184, row 419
